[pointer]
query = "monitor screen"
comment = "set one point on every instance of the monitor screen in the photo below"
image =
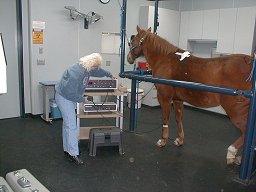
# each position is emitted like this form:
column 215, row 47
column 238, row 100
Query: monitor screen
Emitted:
column 3, row 81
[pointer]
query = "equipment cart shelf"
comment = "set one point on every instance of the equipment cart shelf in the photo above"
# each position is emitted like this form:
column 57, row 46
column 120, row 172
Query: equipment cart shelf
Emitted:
column 118, row 115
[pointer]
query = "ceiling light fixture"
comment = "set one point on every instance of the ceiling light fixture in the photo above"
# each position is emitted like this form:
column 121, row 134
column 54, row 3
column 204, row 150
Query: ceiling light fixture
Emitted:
column 89, row 18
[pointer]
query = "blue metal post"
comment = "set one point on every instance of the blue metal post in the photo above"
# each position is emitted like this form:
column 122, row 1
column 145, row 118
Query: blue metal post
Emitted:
column 132, row 106
column 248, row 152
column 123, row 34
column 156, row 17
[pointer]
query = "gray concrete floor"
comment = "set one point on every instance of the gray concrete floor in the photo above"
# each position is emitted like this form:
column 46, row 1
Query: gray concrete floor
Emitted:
column 199, row 165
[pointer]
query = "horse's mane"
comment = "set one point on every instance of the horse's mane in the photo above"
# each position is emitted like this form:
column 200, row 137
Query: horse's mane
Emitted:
column 161, row 45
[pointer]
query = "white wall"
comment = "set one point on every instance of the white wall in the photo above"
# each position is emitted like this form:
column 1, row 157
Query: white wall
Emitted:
column 193, row 5
column 60, row 47
column 66, row 40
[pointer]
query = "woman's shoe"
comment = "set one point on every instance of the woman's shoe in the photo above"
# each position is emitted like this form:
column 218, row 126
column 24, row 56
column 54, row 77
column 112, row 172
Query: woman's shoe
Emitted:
column 74, row 159
column 66, row 154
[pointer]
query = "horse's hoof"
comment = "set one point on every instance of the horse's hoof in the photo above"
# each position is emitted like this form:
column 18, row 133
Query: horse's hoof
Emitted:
column 230, row 161
column 161, row 143
column 238, row 160
column 177, row 142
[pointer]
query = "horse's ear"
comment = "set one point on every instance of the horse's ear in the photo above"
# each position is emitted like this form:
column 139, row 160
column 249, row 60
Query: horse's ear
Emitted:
column 149, row 29
column 138, row 29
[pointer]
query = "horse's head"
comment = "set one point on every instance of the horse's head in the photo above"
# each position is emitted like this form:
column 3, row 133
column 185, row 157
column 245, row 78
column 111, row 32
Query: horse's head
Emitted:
column 135, row 44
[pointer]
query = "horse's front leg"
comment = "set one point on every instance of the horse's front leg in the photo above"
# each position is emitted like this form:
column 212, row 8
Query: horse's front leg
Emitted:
column 166, row 108
column 178, row 107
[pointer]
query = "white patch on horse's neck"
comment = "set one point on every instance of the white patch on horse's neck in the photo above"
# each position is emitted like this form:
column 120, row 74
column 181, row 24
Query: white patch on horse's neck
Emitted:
column 183, row 55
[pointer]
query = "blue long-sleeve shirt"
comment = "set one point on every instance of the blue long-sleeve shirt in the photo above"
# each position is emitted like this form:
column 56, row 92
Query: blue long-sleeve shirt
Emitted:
column 74, row 81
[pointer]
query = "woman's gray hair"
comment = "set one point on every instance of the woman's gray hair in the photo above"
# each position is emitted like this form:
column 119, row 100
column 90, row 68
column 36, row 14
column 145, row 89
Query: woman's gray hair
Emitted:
column 92, row 60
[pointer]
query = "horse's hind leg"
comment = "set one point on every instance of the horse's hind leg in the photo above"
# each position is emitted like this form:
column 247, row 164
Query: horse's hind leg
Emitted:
column 178, row 107
column 166, row 108
column 237, row 110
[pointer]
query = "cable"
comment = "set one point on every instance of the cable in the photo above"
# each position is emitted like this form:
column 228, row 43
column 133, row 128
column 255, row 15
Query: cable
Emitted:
column 90, row 98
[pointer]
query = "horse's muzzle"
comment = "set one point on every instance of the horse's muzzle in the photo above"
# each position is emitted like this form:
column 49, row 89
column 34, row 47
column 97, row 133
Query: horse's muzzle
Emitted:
column 130, row 58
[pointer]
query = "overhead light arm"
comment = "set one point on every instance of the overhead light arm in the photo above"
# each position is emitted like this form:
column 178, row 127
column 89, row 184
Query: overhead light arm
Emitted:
column 86, row 24
column 88, row 18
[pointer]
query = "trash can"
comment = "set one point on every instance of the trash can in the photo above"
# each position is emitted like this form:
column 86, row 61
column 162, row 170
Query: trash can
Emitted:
column 55, row 112
column 138, row 97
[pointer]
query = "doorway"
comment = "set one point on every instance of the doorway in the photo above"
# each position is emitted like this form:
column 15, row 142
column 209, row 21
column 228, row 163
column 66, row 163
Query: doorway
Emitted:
column 10, row 102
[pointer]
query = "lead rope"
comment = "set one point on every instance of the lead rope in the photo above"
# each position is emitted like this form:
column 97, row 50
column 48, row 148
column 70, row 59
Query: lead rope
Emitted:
column 253, row 67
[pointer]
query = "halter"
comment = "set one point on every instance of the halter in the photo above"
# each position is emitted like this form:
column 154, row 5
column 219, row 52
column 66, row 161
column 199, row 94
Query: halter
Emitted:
column 137, row 46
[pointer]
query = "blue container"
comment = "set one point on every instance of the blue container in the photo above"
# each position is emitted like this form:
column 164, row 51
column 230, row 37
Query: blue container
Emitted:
column 55, row 112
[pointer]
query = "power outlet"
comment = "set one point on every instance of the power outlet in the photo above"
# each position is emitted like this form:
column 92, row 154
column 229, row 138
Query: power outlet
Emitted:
column 40, row 61
column 41, row 50
column 108, row 63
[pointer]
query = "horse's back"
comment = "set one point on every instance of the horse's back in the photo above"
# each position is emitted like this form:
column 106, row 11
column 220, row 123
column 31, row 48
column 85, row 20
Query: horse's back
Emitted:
column 228, row 71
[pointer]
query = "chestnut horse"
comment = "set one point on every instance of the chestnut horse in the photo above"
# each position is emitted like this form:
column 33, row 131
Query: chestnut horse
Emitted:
column 229, row 71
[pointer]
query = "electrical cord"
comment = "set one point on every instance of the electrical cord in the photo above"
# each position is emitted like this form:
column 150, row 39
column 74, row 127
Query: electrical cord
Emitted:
column 140, row 133
column 90, row 98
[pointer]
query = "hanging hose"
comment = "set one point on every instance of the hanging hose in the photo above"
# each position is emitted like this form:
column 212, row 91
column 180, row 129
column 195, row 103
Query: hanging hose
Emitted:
column 253, row 67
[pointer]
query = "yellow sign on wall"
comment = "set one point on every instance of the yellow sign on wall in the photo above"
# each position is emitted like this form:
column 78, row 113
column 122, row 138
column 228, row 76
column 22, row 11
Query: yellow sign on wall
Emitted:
column 38, row 37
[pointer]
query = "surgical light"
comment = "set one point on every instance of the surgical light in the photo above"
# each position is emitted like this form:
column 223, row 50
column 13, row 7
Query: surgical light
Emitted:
column 88, row 18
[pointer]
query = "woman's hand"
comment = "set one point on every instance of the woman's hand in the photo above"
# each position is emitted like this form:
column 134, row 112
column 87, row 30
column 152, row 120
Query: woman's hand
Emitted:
column 85, row 98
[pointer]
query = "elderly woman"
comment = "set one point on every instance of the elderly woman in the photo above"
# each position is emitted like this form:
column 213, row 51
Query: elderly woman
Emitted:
column 70, row 90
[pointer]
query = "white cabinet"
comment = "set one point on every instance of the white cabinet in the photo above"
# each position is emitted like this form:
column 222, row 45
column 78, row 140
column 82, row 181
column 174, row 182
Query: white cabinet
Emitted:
column 195, row 25
column 236, row 30
column 233, row 28
column 226, row 34
column 169, row 22
column 150, row 94
column 210, row 24
column 244, row 31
